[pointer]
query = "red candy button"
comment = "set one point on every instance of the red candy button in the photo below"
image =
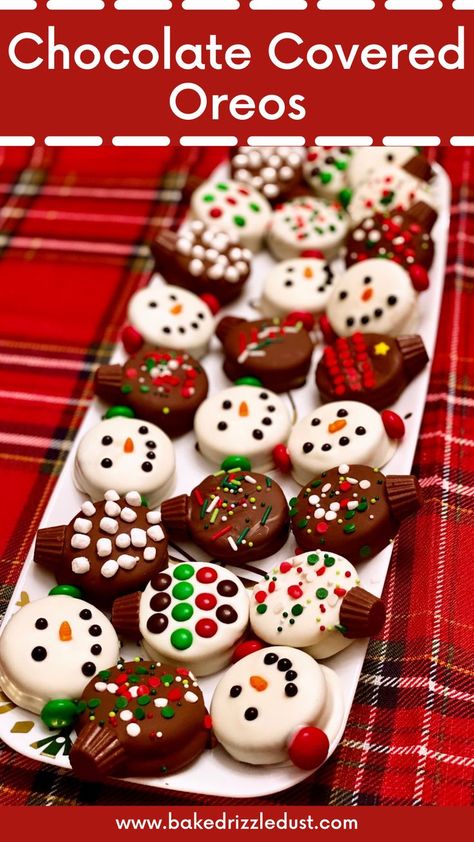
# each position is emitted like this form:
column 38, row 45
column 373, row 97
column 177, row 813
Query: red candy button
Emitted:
column 206, row 575
column 260, row 596
column 308, row 748
column 295, row 592
column 248, row 647
column 285, row 567
column 206, row 601
column 206, row 628
column 174, row 694
column 394, row 425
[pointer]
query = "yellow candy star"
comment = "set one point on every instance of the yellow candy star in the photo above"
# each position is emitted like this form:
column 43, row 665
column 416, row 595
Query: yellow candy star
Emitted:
column 381, row 349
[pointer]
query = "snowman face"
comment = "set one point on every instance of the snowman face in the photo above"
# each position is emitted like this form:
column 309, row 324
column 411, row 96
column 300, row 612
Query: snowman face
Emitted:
column 263, row 698
column 52, row 647
column 374, row 295
column 123, row 453
column 367, row 160
column 171, row 317
column 346, row 432
column 244, row 420
column 304, row 283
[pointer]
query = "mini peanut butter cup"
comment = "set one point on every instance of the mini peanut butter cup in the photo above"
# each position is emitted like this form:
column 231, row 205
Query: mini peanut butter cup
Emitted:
column 49, row 546
column 126, row 615
column 414, row 354
column 423, row 214
column 362, row 614
column 404, row 495
column 108, row 381
column 174, row 514
column 419, row 167
column 97, row 753
column 164, row 244
column 226, row 324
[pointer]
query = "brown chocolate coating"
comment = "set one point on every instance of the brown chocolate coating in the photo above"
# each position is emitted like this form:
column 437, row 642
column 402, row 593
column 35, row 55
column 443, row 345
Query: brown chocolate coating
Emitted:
column 275, row 171
column 370, row 367
column 202, row 260
column 403, row 237
column 252, row 519
column 367, row 510
column 141, row 737
column 162, row 386
column 102, row 585
column 276, row 351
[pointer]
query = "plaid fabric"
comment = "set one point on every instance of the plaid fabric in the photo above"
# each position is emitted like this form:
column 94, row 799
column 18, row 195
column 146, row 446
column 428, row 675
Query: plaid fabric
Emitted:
column 74, row 225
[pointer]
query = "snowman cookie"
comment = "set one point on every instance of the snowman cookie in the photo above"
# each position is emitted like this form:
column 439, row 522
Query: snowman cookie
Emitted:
column 374, row 296
column 339, row 431
column 301, row 284
column 168, row 317
column 402, row 237
column 273, row 170
column 387, row 189
column 50, row 649
column 139, row 718
column 109, row 548
column 203, row 259
column 367, row 160
column 325, row 169
column 353, row 510
column 314, row 602
column 307, row 223
column 278, row 705
column 122, row 452
column 249, row 420
column 191, row 614
column 236, row 208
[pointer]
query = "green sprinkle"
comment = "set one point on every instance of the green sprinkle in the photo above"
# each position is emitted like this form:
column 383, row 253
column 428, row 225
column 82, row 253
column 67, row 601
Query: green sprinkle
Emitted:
column 266, row 515
column 329, row 561
column 139, row 714
column 261, row 608
column 363, row 506
column 302, row 523
column 120, row 702
column 312, row 559
column 208, row 197
column 144, row 700
column 167, row 712
column 126, row 389
column 167, row 679
column 93, row 703
column 365, row 551
column 242, row 535
column 222, row 186
column 340, row 628
column 239, row 221
column 104, row 675
column 349, row 528
column 321, row 593
column 297, row 610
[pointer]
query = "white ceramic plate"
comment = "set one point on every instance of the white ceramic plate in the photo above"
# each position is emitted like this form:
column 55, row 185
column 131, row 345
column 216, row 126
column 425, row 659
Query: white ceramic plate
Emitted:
column 215, row 773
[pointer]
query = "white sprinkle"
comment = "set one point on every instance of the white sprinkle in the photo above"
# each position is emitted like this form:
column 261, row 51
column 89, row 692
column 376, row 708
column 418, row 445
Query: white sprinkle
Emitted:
column 313, row 500
column 352, row 480
column 112, row 509
column 133, row 729
column 154, row 516
column 109, row 569
column 326, row 488
column 82, row 525
column 248, row 478
column 319, row 513
column 335, row 507
column 103, row 547
column 159, row 734
column 364, row 483
column 122, row 540
column 233, row 544
column 343, row 469
column 112, row 688
column 215, row 272
column 80, row 565
column 138, row 537
column 330, row 516
column 149, row 553
column 111, row 495
column 352, row 504
column 183, row 246
column 109, row 525
column 128, row 515
column 160, row 703
column 196, row 267
column 88, row 508
column 133, row 498
column 80, row 542
column 127, row 562
column 155, row 533
column 100, row 686
column 126, row 715
column 191, row 697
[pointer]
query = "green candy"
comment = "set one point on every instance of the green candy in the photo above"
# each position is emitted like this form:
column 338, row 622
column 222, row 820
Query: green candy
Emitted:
column 248, row 381
column 181, row 639
column 119, row 411
column 321, row 593
column 231, row 463
column 183, row 590
column 261, row 609
column 297, row 610
column 167, row 712
column 93, row 703
column 59, row 713
column 312, row 559
column 345, row 197
column 182, row 612
column 183, row 571
column 329, row 561
column 325, row 177
column 365, row 551
column 120, row 702
column 139, row 713
column 349, row 528
column 239, row 221
column 66, row 590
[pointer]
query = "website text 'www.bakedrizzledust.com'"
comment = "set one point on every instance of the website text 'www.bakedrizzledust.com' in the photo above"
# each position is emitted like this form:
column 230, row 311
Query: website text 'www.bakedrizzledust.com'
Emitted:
column 226, row 822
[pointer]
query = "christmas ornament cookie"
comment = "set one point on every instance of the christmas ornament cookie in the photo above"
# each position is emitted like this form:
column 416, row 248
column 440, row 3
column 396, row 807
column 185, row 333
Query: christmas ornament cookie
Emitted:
column 325, row 169
column 276, row 351
column 139, row 718
column 164, row 387
column 343, row 430
column 168, row 317
column 402, row 237
column 235, row 516
column 122, row 452
column 237, row 208
column 108, row 549
column 276, row 171
column 370, row 367
column 190, row 614
column 367, row 160
column 353, row 510
column 307, row 223
column 314, row 602
column 203, row 259
column 302, row 284
column 248, row 418
column 278, row 705
column 374, row 295
column 50, row 649
column 387, row 189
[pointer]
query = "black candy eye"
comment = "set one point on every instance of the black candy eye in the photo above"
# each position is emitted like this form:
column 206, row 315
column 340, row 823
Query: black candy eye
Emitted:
column 39, row 653
column 270, row 408
column 291, row 675
column 257, row 434
column 326, row 447
column 367, row 280
column 342, row 295
column 360, row 431
column 181, row 330
column 41, row 624
column 251, row 713
column 315, row 422
column 291, row 690
column 365, row 320
column 152, row 304
column 151, row 455
column 392, row 300
column 235, row 691
column 349, row 321
column 343, row 441
column 263, row 396
column 143, row 430
column 222, row 425
column 147, row 467
column 194, row 325
column 88, row 669
column 227, row 405
column 271, row 658
column 200, row 315
column 173, row 298
column 107, row 440
column 288, row 283
column 151, row 444
column 166, row 330
column 267, row 421
column 308, row 447
column 95, row 631
column 390, row 157
column 378, row 312
column 106, row 463
column 85, row 614
column 285, row 664
column 96, row 649
column 342, row 413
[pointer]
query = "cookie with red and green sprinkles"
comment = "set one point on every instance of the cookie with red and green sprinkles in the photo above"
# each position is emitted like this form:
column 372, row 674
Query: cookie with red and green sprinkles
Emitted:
column 235, row 516
column 325, row 169
column 162, row 386
column 307, row 224
column 139, row 718
column 234, row 208
column 353, row 510
column 314, row 602
column 191, row 614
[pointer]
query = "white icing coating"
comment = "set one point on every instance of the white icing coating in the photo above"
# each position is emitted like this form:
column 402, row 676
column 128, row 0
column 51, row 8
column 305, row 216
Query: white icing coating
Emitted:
column 247, row 429
column 368, row 159
column 210, row 203
column 374, row 295
column 307, row 223
column 171, row 317
column 303, row 283
column 67, row 642
column 337, row 422
column 127, row 452
column 387, row 189
column 264, row 739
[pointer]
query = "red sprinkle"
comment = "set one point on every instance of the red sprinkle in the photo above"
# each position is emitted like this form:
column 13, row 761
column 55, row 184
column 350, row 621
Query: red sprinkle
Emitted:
column 207, row 722
column 340, row 591
column 295, row 592
column 260, row 596
column 285, row 566
column 174, row 694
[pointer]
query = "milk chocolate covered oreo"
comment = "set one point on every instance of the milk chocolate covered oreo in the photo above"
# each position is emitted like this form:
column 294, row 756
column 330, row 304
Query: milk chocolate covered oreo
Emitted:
column 402, row 237
column 276, row 171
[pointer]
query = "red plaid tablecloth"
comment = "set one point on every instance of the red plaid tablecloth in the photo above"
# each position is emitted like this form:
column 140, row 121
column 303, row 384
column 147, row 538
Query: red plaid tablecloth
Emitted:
column 73, row 231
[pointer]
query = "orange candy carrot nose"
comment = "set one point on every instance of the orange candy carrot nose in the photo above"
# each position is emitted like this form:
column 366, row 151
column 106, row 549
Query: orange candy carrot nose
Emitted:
column 128, row 446
column 258, row 683
column 176, row 310
column 367, row 294
column 308, row 272
column 243, row 409
column 65, row 632
column 337, row 425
